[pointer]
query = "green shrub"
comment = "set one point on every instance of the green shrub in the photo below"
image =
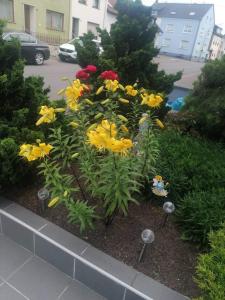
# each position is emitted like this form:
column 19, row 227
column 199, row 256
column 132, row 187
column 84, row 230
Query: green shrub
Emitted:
column 195, row 169
column 20, row 100
column 190, row 163
column 87, row 51
column 210, row 274
column 206, row 103
column 199, row 212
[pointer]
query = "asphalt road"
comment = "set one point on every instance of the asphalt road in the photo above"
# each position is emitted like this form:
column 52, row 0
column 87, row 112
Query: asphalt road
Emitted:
column 53, row 70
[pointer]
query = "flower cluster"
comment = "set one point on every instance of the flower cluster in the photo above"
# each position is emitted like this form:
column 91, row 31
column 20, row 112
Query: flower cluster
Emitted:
column 48, row 114
column 109, row 75
column 131, row 91
column 104, row 137
column 73, row 92
column 152, row 100
column 159, row 186
column 33, row 152
column 84, row 74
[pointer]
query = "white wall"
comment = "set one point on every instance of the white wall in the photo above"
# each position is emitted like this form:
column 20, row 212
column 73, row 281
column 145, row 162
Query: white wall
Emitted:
column 205, row 31
column 86, row 13
column 110, row 19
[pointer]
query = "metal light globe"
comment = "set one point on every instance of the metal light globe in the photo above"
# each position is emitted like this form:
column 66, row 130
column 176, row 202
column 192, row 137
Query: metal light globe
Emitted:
column 147, row 236
column 168, row 207
column 43, row 194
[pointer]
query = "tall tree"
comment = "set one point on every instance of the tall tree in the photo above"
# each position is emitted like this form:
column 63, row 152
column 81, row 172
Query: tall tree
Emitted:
column 129, row 48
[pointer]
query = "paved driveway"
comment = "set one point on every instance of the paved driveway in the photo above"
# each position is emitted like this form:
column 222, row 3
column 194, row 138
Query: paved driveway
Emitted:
column 53, row 70
column 191, row 69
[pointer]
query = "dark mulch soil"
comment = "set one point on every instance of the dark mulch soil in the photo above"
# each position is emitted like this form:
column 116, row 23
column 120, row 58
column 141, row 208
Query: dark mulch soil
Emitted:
column 169, row 260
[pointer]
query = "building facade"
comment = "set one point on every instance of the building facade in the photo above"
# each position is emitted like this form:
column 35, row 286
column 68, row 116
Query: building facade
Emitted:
column 186, row 29
column 88, row 15
column 48, row 20
column 217, row 44
column 111, row 14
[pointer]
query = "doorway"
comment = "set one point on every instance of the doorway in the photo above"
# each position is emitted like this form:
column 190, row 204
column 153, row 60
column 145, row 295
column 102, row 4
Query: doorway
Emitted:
column 29, row 19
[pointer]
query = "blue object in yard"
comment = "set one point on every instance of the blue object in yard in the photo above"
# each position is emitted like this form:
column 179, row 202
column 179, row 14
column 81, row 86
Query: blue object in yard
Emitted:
column 177, row 104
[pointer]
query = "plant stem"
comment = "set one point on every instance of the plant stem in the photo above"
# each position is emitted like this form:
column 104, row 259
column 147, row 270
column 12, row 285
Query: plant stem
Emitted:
column 146, row 154
column 78, row 182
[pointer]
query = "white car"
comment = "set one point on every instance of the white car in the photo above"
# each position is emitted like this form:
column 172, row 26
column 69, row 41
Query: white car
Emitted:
column 67, row 52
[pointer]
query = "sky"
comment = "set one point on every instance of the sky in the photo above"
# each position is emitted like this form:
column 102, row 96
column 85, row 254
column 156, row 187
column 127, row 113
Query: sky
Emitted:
column 218, row 4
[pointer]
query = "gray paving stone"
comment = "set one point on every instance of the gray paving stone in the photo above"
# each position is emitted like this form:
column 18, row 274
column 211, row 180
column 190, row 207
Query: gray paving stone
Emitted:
column 101, row 284
column 132, row 296
column 155, row 290
column 26, row 216
column 79, row 291
column 4, row 202
column 8, row 293
column 12, row 256
column 39, row 280
column 65, row 238
column 54, row 255
column 18, row 233
column 110, row 265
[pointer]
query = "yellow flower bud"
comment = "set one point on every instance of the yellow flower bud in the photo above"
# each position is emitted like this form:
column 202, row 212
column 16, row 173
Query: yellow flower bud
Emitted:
column 92, row 127
column 142, row 120
column 59, row 109
column 159, row 123
column 89, row 102
column 125, row 101
column 65, row 193
column 122, row 118
column 74, row 124
column 61, row 92
column 64, row 78
column 121, row 87
column 105, row 101
column 53, row 201
column 75, row 155
column 98, row 116
column 124, row 128
column 99, row 90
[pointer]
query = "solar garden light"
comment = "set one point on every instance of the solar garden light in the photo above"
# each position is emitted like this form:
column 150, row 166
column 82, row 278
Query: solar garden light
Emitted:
column 168, row 208
column 43, row 196
column 147, row 237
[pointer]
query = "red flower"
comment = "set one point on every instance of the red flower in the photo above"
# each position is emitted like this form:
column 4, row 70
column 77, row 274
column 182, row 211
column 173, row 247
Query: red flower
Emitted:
column 91, row 69
column 111, row 75
column 82, row 75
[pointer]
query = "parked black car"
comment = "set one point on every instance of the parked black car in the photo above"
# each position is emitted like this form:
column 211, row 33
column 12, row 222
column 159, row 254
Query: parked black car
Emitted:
column 32, row 50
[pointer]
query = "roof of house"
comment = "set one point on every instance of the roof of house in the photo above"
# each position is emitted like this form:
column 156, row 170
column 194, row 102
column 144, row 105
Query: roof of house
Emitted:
column 181, row 10
column 111, row 5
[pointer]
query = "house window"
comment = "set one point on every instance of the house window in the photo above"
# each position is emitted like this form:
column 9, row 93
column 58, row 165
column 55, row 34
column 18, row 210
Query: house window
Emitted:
column 93, row 28
column 184, row 45
column 166, row 43
column 83, row 2
column 96, row 3
column 6, row 10
column 187, row 29
column 75, row 27
column 169, row 28
column 54, row 20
